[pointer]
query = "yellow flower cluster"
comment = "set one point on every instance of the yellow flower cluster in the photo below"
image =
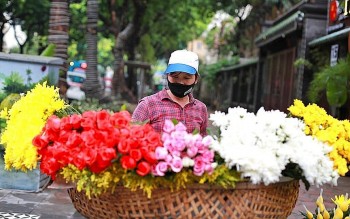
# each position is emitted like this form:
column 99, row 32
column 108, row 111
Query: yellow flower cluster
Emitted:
column 341, row 211
column 343, row 204
column 25, row 120
column 115, row 175
column 327, row 129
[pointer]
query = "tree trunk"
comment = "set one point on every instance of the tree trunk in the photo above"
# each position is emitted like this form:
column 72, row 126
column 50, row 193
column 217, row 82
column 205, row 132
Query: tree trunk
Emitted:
column 92, row 85
column 118, row 83
column 2, row 34
column 58, row 35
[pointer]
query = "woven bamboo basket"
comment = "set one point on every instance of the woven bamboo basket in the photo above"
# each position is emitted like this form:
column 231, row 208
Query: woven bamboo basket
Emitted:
column 197, row 201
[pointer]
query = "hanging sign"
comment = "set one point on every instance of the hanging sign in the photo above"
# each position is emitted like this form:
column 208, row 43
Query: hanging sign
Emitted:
column 334, row 54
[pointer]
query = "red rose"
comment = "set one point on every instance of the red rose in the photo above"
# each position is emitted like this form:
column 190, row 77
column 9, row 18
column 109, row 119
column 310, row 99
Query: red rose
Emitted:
column 102, row 120
column 121, row 119
column 50, row 166
column 79, row 160
column 124, row 132
column 65, row 123
column 106, row 154
column 41, row 141
column 63, row 136
column 73, row 140
column 143, row 168
column 123, row 147
column 128, row 162
column 153, row 139
column 91, row 137
column 113, row 137
column 137, row 131
column 88, row 120
column 75, row 121
column 148, row 155
column 136, row 154
column 53, row 123
column 103, row 160
column 90, row 155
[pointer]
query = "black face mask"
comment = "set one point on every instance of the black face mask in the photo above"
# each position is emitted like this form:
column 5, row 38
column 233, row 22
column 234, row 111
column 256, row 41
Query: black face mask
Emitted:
column 180, row 90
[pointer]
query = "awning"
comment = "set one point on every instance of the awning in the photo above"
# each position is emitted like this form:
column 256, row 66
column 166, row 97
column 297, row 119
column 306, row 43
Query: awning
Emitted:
column 330, row 37
column 280, row 29
column 241, row 64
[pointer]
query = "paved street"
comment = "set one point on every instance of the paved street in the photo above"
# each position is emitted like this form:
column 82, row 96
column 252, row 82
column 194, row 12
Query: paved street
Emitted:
column 54, row 202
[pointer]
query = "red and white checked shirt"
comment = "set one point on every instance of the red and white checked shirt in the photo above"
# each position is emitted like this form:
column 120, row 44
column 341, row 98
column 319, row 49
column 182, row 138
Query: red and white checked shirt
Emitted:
column 158, row 107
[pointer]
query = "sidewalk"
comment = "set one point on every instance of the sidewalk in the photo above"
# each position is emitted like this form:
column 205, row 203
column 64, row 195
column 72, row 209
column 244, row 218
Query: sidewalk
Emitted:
column 54, row 202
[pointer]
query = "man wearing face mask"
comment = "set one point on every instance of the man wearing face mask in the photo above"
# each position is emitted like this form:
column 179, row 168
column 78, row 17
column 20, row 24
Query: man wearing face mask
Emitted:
column 176, row 101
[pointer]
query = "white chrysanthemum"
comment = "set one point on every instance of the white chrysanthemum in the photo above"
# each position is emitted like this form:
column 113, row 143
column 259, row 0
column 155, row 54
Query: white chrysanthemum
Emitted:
column 218, row 118
column 260, row 146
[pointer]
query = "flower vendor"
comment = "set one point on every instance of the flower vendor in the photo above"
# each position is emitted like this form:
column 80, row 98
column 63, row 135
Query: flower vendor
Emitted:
column 176, row 101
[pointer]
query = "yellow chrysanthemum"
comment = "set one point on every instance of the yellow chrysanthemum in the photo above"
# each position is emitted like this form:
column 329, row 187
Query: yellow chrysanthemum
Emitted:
column 25, row 120
column 297, row 108
column 3, row 113
column 328, row 130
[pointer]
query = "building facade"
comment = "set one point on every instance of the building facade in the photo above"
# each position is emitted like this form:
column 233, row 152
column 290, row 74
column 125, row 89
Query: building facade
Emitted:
column 334, row 45
column 280, row 46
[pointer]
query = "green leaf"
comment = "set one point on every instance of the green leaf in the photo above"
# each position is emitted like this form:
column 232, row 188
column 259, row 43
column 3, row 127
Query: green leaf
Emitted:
column 175, row 122
column 195, row 131
column 49, row 50
column 337, row 91
column 332, row 81
column 123, row 107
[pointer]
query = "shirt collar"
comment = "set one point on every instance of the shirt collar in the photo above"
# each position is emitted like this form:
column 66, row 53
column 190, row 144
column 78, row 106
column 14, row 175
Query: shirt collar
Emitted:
column 164, row 95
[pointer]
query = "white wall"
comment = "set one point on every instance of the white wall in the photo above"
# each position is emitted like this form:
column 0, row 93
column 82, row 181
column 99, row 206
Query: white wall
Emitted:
column 39, row 66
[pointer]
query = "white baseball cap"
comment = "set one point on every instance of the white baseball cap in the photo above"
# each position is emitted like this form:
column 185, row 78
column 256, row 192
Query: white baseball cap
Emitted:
column 183, row 61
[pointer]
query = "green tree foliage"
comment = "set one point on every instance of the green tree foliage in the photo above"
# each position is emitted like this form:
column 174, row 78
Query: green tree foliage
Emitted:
column 172, row 28
column 210, row 71
column 77, row 30
column 145, row 48
column 230, row 36
column 33, row 16
column 105, row 53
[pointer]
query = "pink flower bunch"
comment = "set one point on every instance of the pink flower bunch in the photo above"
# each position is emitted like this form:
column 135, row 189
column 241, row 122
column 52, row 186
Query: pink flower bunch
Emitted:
column 182, row 149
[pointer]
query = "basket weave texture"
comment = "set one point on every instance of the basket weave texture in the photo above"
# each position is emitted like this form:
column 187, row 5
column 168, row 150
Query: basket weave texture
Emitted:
column 197, row 201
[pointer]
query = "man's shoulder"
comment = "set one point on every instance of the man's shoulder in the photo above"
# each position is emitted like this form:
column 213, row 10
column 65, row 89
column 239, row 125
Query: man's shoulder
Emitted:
column 153, row 97
column 200, row 103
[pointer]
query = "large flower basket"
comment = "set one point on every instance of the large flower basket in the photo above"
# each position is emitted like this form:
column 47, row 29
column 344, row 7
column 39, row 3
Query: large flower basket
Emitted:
column 197, row 201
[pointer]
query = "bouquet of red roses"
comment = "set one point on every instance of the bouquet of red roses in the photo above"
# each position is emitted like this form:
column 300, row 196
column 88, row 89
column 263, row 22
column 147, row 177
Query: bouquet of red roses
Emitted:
column 94, row 140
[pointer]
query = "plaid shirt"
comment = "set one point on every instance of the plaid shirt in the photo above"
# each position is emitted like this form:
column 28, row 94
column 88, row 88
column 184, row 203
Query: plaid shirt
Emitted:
column 159, row 107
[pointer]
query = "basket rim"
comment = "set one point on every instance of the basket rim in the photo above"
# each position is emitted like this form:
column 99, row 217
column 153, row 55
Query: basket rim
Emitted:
column 240, row 185
column 245, row 184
